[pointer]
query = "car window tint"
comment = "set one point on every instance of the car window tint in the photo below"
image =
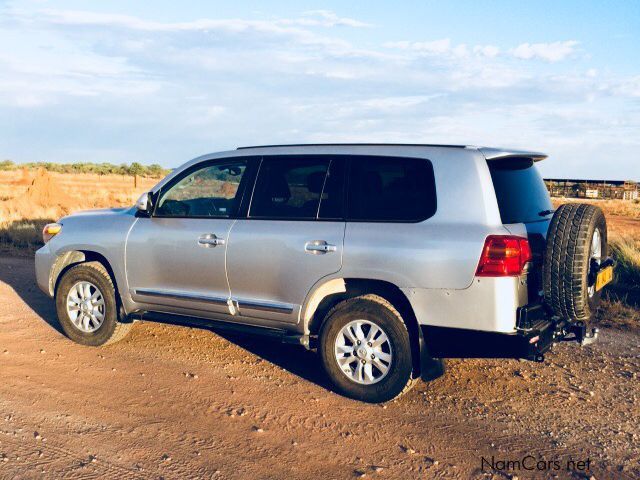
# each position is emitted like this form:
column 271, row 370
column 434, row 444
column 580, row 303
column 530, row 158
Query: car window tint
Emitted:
column 289, row 187
column 211, row 191
column 521, row 193
column 391, row 189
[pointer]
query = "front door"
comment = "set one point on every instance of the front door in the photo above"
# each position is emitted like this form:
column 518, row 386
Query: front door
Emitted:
column 292, row 237
column 175, row 259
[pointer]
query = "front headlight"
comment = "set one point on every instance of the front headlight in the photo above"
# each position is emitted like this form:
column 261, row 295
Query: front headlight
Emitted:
column 50, row 230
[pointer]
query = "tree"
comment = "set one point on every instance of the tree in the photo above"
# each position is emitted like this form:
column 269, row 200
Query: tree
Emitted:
column 136, row 169
column 155, row 170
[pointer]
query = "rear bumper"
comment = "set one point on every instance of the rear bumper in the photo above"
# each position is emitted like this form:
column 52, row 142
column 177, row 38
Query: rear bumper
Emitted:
column 488, row 304
column 458, row 343
column 536, row 335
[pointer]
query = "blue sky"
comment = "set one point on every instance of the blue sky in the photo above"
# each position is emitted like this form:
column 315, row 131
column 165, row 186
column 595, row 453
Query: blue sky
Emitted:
column 165, row 81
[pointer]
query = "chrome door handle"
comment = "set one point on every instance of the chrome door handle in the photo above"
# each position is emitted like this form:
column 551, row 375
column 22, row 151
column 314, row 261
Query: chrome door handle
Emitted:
column 318, row 247
column 210, row 240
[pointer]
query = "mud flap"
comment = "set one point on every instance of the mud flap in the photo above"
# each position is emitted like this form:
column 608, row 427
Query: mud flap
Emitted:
column 430, row 367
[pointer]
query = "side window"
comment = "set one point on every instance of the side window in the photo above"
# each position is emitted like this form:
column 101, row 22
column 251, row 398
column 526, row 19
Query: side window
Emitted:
column 211, row 191
column 391, row 189
column 289, row 187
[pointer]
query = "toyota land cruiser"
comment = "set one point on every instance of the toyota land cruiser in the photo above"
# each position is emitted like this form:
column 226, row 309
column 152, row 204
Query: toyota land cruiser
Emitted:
column 385, row 258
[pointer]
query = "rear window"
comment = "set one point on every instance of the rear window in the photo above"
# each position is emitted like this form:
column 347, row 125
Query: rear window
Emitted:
column 521, row 192
column 391, row 189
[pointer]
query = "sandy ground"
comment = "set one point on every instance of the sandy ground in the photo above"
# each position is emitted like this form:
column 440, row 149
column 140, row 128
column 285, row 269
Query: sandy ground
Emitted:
column 179, row 402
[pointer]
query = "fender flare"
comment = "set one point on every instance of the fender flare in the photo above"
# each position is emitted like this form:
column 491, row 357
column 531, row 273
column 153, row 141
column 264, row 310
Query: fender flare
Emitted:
column 329, row 287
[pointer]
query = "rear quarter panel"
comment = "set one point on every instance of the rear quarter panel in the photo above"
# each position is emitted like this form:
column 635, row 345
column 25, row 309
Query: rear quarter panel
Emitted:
column 441, row 252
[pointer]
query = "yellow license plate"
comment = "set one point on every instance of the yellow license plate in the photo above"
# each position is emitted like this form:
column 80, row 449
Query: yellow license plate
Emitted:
column 604, row 276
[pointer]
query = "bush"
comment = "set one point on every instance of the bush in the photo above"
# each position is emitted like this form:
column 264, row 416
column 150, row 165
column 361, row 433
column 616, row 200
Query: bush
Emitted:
column 7, row 165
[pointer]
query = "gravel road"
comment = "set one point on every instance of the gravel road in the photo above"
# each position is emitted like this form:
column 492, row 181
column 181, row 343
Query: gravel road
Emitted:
column 179, row 402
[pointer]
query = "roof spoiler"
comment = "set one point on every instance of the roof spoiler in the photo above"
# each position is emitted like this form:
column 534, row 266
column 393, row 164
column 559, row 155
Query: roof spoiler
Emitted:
column 500, row 154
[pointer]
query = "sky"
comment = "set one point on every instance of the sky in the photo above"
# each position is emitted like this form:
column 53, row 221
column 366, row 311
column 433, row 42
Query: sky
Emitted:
column 166, row 81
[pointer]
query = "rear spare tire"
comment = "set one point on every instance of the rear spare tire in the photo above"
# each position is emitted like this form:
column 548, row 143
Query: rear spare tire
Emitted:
column 576, row 245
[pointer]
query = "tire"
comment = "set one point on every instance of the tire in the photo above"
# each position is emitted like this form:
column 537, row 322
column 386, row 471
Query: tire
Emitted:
column 92, row 332
column 571, row 244
column 369, row 310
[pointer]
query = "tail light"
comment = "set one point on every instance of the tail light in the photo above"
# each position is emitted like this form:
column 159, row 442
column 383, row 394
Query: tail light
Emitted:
column 504, row 256
column 50, row 230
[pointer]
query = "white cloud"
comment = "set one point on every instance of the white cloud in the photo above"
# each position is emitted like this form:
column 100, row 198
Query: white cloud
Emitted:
column 550, row 52
column 162, row 91
column 327, row 18
column 444, row 47
column 319, row 18
column 486, row 50
column 434, row 47
column 629, row 87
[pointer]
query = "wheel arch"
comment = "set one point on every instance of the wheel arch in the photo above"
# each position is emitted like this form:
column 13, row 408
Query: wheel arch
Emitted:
column 71, row 258
column 330, row 293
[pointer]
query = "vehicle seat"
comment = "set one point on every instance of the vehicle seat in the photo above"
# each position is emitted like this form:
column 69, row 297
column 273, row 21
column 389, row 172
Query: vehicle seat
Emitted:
column 275, row 198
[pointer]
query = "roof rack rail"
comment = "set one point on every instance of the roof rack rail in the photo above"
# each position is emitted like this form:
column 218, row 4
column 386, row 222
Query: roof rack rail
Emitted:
column 353, row 145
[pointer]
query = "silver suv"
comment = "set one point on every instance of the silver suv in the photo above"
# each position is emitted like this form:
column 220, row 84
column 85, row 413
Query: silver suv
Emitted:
column 385, row 258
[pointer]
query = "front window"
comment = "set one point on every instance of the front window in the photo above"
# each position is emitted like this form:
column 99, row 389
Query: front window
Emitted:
column 212, row 191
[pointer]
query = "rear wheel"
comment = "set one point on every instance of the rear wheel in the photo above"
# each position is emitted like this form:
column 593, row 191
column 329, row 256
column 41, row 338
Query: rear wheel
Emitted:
column 576, row 246
column 365, row 349
column 87, row 307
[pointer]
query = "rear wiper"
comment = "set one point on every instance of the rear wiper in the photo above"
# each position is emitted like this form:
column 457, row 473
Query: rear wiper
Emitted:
column 544, row 213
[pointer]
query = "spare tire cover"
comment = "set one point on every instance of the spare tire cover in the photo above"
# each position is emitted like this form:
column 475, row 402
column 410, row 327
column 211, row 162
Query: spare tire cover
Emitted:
column 576, row 245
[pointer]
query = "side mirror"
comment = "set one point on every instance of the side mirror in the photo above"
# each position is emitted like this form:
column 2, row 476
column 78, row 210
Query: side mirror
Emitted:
column 143, row 204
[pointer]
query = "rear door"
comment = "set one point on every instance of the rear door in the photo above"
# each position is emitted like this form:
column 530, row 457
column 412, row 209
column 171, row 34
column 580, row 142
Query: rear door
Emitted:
column 291, row 237
column 524, row 201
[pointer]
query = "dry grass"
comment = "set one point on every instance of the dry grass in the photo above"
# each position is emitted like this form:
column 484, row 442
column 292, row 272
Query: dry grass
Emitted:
column 622, row 208
column 626, row 251
column 615, row 312
column 29, row 199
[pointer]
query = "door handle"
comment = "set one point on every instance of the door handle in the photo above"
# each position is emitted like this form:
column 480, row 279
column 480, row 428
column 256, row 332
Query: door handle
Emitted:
column 210, row 240
column 319, row 247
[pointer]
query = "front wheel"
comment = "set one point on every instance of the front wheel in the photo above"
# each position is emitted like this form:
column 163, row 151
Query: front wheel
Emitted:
column 86, row 306
column 365, row 349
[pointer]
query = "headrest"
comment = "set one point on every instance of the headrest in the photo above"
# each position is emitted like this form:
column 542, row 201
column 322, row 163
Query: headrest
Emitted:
column 278, row 189
column 315, row 182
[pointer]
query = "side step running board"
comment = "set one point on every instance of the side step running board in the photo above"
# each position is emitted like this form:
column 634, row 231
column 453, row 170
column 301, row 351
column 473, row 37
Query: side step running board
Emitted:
column 284, row 336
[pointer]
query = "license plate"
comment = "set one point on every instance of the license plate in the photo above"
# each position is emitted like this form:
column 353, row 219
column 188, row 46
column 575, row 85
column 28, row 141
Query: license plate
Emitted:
column 604, row 276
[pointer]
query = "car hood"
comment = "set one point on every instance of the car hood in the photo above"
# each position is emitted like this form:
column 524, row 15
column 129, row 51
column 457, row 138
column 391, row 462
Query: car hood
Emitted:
column 102, row 212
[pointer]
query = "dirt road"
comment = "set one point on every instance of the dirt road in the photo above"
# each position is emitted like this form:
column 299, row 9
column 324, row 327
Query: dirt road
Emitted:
column 178, row 402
